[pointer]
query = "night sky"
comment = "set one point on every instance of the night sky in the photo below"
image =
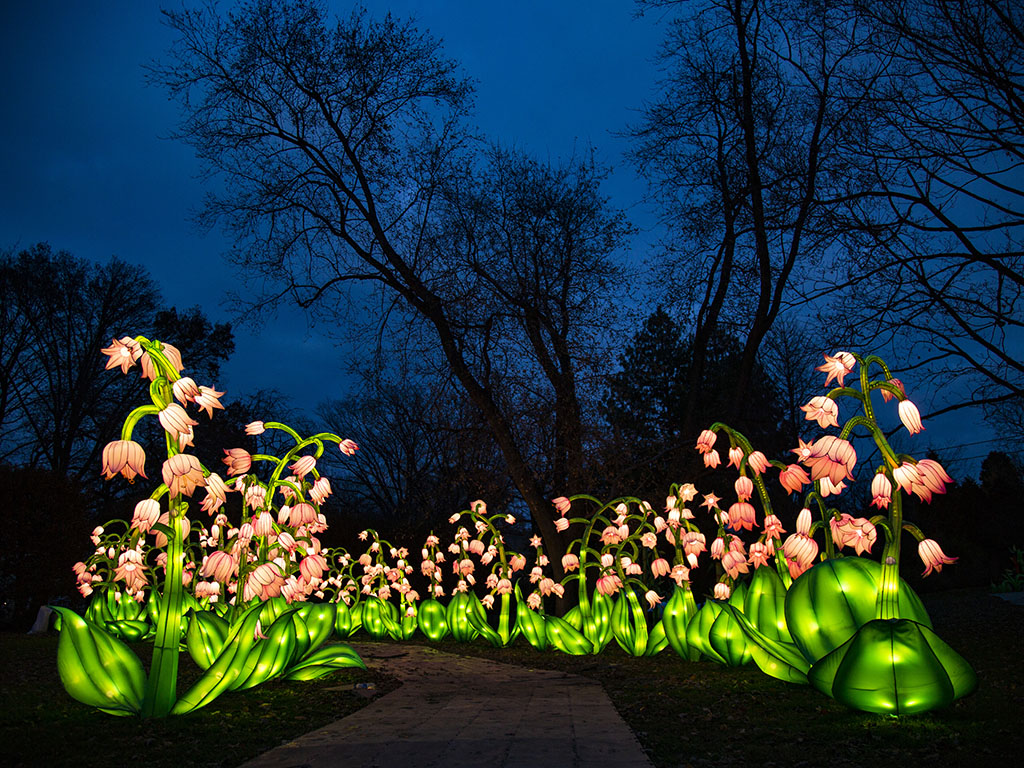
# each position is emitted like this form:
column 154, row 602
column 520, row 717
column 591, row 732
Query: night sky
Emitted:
column 87, row 166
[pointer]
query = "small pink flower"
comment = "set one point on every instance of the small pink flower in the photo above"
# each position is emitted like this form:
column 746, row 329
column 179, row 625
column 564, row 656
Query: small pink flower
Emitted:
column 176, row 422
column 255, row 428
column 609, row 584
column 706, row 441
column 348, row 447
column 800, row 551
column 718, row 548
column 742, row 515
column 773, row 527
column 744, row 488
column 822, row 410
column 931, row 478
column 758, row 462
column 255, row 496
column 759, row 554
column 237, row 460
column 906, row 476
column 147, row 512
column 570, row 562
column 185, row 390
column 652, row 598
column 828, row 488
column 910, row 417
column 561, row 524
column 303, row 466
column 735, row 456
column 220, row 566
column 264, row 524
column 207, row 400
column 887, row 395
column 562, row 505
column 712, row 459
column 734, row 563
column 123, row 352
column 182, row 474
column 301, row 514
column 881, row 491
column 320, row 491
column 831, row 457
column 837, row 367
column 722, row 591
column 124, row 457
column 933, row 557
column 679, row 574
column 660, row 567
column 793, row 478
column 517, row 562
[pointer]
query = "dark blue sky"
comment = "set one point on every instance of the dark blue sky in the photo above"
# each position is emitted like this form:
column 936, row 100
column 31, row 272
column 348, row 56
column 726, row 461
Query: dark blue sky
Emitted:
column 86, row 166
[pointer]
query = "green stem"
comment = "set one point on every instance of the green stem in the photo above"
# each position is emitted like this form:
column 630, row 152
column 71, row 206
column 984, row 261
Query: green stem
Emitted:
column 887, row 605
column 161, row 687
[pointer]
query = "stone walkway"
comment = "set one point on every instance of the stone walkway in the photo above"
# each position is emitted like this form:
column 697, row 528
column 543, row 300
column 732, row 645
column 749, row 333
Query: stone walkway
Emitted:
column 464, row 712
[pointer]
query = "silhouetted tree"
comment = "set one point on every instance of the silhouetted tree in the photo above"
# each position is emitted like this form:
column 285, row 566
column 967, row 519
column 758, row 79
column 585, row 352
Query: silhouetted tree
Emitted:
column 348, row 169
column 648, row 396
column 60, row 407
column 752, row 149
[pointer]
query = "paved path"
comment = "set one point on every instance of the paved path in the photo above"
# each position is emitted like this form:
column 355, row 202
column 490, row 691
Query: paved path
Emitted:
column 463, row 712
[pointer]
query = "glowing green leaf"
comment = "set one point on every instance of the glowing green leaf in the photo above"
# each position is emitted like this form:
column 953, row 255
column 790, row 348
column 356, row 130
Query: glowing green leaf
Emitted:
column 96, row 668
column 894, row 666
column 830, row 602
column 205, row 637
column 566, row 639
column 431, row 620
column 323, row 661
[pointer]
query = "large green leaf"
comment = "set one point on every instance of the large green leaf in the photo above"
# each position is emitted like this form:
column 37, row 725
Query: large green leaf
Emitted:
column 342, row 619
column 827, row 604
column 629, row 625
column 272, row 655
column 315, row 627
column 565, row 638
column 775, row 658
column 430, row 618
column 96, row 668
column 323, row 661
column 530, row 624
column 679, row 609
column 205, row 637
column 699, row 628
column 457, row 616
column 765, row 604
column 896, row 667
column 226, row 668
column 656, row 641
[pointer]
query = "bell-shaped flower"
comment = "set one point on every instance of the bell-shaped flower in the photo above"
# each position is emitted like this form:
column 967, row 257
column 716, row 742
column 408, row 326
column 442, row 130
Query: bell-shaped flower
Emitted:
column 124, row 457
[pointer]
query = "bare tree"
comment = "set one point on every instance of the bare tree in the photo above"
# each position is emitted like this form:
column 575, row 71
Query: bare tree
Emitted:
column 59, row 406
column 752, row 152
column 348, row 171
column 946, row 264
column 424, row 454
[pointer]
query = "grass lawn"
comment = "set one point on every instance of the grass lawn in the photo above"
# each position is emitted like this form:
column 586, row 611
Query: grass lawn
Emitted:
column 684, row 713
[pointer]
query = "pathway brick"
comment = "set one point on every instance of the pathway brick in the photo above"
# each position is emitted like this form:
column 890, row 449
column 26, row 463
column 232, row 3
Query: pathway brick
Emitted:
column 464, row 712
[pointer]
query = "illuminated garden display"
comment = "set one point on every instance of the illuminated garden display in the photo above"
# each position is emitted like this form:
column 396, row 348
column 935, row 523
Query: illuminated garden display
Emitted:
column 258, row 598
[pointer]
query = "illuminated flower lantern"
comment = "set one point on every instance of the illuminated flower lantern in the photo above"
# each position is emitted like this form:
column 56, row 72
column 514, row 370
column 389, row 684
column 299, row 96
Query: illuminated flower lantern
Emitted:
column 253, row 636
column 866, row 632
